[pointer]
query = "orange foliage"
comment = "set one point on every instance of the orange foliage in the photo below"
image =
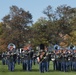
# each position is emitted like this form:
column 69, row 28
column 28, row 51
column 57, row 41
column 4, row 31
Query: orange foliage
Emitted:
column 63, row 44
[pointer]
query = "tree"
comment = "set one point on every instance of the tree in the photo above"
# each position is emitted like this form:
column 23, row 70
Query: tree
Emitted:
column 39, row 32
column 2, row 40
column 49, row 13
column 60, row 21
column 45, row 32
column 73, row 37
column 65, row 14
column 17, row 25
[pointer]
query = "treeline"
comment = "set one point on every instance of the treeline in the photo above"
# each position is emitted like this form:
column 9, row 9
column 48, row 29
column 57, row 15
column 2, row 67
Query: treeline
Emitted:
column 56, row 27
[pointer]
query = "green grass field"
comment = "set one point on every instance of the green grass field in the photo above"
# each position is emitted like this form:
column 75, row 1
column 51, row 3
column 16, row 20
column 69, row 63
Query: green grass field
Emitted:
column 35, row 71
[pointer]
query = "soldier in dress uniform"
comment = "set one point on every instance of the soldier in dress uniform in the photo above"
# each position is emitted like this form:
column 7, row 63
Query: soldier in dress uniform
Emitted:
column 10, row 57
column 24, row 60
column 3, row 58
column 47, row 58
column 53, row 58
column 42, row 61
column 74, row 61
column 27, row 59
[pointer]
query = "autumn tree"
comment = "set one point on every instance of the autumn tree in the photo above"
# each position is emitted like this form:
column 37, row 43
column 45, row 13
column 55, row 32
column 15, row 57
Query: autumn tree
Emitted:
column 17, row 25
column 2, row 40
column 62, row 19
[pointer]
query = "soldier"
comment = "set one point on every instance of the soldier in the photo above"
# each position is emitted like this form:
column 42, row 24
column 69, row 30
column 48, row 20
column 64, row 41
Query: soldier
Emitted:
column 74, row 61
column 53, row 58
column 27, row 60
column 35, row 54
column 31, row 52
column 41, row 60
column 47, row 59
column 3, row 59
column 24, row 58
column 18, row 58
column 10, row 57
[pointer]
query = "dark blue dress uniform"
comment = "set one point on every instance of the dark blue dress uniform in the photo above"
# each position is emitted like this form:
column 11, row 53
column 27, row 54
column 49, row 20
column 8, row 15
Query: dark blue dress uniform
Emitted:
column 31, row 52
column 11, row 59
column 3, row 59
column 53, row 59
column 74, row 62
column 24, row 58
column 42, row 62
column 47, row 61
column 10, row 63
column 27, row 60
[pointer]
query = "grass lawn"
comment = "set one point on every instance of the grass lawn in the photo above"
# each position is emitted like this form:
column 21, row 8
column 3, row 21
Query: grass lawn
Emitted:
column 35, row 71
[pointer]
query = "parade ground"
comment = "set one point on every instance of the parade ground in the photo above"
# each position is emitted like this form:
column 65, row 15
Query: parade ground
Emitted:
column 35, row 71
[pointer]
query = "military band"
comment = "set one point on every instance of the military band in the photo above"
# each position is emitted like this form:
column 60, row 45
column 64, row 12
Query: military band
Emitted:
column 62, row 59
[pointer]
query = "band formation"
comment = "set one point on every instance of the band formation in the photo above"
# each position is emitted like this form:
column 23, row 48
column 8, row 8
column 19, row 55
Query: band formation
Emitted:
column 62, row 59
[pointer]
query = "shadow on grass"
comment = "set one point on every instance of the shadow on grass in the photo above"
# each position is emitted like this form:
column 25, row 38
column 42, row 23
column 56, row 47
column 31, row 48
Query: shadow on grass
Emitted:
column 21, row 70
column 33, row 70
